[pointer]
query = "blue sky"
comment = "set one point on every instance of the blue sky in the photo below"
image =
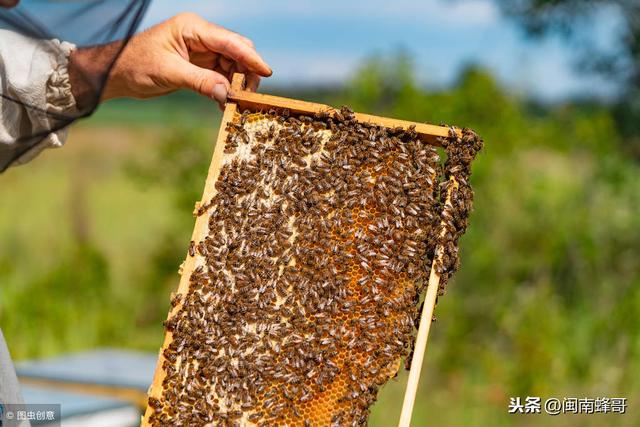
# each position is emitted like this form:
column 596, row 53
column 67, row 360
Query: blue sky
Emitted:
column 317, row 42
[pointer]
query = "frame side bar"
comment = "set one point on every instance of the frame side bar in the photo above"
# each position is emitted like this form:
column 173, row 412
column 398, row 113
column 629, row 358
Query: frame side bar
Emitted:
column 425, row 324
column 189, row 264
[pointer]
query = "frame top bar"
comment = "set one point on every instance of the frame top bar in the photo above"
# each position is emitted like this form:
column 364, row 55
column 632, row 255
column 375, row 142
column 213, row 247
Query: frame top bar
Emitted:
column 257, row 101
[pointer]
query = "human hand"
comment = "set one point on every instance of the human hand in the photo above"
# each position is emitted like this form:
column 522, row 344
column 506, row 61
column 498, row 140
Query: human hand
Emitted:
column 183, row 52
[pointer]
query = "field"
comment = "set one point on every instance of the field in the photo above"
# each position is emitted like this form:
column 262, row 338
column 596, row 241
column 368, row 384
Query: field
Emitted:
column 546, row 302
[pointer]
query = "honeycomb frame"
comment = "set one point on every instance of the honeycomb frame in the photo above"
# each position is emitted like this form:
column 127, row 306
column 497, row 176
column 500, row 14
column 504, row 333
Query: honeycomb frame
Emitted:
column 220, row 158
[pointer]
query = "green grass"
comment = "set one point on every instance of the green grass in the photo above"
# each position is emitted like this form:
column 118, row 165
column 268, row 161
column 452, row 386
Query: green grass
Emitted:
column 546, row 301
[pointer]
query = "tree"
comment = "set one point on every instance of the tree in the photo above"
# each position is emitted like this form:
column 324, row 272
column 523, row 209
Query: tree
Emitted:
column 574, row 19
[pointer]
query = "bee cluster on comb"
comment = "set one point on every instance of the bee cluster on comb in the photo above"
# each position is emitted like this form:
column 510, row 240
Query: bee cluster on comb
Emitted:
column 303, row 299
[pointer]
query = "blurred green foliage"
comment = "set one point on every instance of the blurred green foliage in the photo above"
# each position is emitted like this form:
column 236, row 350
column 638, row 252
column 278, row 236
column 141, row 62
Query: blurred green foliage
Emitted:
column 545, row 303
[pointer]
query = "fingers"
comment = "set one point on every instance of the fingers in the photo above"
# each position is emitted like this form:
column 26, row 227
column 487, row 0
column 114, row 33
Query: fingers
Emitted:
column 206, row 82
column 225, row 64
column 246, row 40
column 226, row 67
column 253, row 81
column 231, row 45
column 215, row 54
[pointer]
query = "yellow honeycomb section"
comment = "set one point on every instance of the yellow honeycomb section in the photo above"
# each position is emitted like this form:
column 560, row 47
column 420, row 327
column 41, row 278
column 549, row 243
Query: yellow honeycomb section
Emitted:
column 330, row 403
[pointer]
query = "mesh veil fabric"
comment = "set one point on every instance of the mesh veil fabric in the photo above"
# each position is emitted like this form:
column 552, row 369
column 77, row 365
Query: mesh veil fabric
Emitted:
column 84, row 23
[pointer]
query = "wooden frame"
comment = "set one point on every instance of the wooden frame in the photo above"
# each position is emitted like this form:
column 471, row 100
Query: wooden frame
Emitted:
column 257, row 101
column 201, row 226
column 239, row 99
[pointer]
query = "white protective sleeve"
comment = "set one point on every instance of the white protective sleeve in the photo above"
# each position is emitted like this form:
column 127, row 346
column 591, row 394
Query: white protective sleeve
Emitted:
column 9, row 387
column 33, row 73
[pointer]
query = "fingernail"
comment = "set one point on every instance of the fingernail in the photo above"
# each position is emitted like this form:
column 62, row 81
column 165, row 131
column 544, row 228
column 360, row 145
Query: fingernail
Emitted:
column 220, row 92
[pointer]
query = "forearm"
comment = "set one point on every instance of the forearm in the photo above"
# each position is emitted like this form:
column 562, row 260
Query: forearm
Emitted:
column 88, row 68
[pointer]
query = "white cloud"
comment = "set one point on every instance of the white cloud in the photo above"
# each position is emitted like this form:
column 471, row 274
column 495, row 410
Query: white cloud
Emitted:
column 303, row 68
column 442, row 35
column 460, row 12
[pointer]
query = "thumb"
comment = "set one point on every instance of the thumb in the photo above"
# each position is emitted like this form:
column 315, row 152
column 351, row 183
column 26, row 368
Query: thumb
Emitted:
column 206, row 82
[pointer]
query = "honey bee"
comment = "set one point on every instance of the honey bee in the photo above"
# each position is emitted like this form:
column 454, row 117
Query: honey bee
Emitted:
column 175, row 299
column 303, row 232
